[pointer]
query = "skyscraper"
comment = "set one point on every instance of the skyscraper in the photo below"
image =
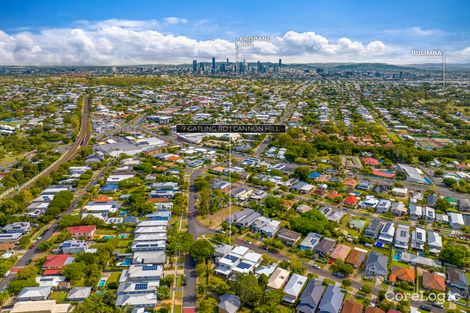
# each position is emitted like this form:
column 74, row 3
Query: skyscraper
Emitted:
column 213, row 65
column 280, row 63
column 194, row 66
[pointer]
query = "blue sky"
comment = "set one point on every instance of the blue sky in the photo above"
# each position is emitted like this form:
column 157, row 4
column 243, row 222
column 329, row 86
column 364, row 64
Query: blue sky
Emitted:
column 177, row 31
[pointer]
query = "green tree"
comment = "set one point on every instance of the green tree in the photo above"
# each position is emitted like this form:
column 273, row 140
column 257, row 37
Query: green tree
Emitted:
column 455, row 254
column 163, row 292
column 247, row 288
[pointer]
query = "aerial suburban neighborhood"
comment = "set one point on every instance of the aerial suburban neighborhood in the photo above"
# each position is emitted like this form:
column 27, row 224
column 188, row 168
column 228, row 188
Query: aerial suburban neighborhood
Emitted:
column 228, row 181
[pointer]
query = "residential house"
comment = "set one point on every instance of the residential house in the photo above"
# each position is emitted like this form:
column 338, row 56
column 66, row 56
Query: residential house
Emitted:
column 350, row 306
column 429, row 214
column 294, row 287
column 434, row 242
column 73, row 246
column 278, row 279
column 399, row 209
column 332, row 300
column 55, row 262
column 46, row 306
column 356, row 257
column 383, row 206
column 78, row 294
column 402, row 237
column 357, row 224
column 418, row 239
column 387, row 233
column 434, row 281
column 34, row 294
column 376, row 264
column 457, row 281
column 83, row 231
column 456, row 220
column 341, row 252
column 325, row 246
column 288, row 237
column 416, row 211
column 17, row 227
column 310, row 241
column 463, row 205
column 373, row 229
column 401, row 273
column 303, row 208
column 229, row 303
column 311, row 296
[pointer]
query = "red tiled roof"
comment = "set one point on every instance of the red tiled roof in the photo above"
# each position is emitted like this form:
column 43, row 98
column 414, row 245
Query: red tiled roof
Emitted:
column 189, row 310
column 434, row 281
column 54, row 271
column 373, row 309
column 56, row 261
column 351, row 200
column 81, row 229
column 400, row 273
column 383, row 174
column 352, row 307
column 370, row 161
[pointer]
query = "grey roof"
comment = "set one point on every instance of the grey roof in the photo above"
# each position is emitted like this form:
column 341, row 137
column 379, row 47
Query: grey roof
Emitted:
column 326, row 245
column 311, row 296
column 332, row 300
column 34, row 292
column 457, row 277
column 79, row 293
column 378, row 260
column 229, row 303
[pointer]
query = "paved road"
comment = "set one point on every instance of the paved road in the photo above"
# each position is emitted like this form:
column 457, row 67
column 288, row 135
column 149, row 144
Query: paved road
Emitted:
column 196, row 230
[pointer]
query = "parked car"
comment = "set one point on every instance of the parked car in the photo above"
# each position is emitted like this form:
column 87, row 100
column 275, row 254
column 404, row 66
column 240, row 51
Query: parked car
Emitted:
column 425, row 308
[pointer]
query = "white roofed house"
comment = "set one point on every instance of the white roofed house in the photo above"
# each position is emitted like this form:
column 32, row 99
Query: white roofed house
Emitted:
column 294, row 287
column 418, row 238
column 387, row 233
column 416, row 211
column 278, row 278
column 434, row 242
column 402, row 237
column 456, row 220
column 429, row 214
column 227, row 263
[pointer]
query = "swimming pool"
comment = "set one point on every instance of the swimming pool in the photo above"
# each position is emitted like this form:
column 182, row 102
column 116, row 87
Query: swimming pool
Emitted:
column 126, row 262
column 102, row 282
column 108, row 237
column 397, row 256
column 123, row 236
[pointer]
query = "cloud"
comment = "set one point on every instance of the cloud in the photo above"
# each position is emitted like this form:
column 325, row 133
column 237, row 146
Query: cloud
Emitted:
column 175, row 20
column 128, row 42
column 416, row 31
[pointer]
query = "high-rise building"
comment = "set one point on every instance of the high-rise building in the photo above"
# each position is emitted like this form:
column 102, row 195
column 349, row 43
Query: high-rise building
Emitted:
column 280, row 63
column 213, row 65
column 194, row 66
column 258, row 67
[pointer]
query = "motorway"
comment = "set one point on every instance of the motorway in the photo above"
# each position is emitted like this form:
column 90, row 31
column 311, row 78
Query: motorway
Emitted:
column 82, row 140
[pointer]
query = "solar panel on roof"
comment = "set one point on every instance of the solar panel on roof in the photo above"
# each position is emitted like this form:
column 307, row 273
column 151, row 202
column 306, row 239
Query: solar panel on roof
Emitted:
column 141, row 286
column 244, row 266
column 149, row 267
column 232, row 258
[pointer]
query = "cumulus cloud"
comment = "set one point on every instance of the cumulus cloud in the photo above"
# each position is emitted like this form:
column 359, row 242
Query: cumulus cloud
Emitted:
column 128, row 42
